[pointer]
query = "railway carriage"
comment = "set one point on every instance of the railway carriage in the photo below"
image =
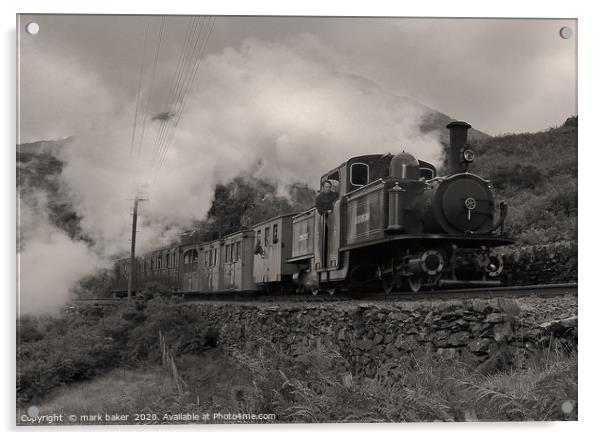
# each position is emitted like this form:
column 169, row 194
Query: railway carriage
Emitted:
column 193, row 273
column 213, row 266
column 272, row 251
column 238, row 261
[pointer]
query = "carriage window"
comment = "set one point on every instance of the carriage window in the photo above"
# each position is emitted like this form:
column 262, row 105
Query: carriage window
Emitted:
column 427, row 173
column 228, row 253
column 360, row 174
column 267, row 236
column 187, row 257
column 259, row 237
column 275, row 234
column 237, row 250
column 206, row 258
column 215, row 257
column 159, row 263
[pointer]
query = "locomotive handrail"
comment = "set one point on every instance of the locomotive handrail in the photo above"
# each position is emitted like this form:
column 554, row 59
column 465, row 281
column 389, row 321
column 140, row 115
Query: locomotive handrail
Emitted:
column 357, row 192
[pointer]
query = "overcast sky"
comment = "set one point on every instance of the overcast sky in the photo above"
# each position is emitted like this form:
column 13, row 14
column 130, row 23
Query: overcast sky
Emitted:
column 500, row 75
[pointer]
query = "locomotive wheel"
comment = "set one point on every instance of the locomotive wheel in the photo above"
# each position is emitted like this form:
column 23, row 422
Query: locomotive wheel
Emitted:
column 414, row 283
column 334, row 291
column 387, row 283
column 315, row 291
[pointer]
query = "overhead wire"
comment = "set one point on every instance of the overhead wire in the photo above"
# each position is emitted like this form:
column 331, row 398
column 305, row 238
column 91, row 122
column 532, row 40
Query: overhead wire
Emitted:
column 134, row 128
column 186, row 92
column 189, row 37
column 176, row 98
column 164, row 121
column 152, row 82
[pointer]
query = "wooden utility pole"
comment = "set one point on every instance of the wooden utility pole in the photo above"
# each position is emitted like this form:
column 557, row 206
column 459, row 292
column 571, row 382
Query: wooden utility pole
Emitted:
column 133, row 249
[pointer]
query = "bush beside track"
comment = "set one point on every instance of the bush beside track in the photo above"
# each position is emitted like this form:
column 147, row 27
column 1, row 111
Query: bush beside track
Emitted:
column 547, row 264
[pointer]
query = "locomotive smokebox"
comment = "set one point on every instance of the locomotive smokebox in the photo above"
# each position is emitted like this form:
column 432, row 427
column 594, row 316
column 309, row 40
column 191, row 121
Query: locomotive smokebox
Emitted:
column 458, row 134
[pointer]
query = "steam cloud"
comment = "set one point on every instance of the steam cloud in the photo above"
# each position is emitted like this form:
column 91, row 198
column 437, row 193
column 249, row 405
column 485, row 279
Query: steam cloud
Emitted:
column 287, row 111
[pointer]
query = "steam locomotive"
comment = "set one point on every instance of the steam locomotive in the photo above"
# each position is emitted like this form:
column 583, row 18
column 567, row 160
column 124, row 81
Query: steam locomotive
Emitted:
column 394, row 223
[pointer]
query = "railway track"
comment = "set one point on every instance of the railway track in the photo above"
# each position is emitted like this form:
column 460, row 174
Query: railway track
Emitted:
column 547, row 290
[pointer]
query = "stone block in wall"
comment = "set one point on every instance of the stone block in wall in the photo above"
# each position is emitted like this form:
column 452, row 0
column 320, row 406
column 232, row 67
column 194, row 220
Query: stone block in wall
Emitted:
column 458, row 339
column 503, row 331
column 481, row 345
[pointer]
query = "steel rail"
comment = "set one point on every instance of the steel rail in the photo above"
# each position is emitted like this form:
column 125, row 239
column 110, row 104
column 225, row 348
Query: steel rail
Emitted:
column 542, row 290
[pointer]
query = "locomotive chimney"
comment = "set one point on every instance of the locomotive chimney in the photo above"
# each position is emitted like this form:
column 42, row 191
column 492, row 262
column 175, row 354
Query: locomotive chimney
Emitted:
column 458, row 133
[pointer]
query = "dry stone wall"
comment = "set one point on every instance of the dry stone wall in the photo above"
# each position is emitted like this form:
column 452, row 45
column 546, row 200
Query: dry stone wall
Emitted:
column 371, row 337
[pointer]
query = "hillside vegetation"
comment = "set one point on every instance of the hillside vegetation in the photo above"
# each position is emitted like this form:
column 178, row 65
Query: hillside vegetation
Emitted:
column 247, row 200
column 536, row 173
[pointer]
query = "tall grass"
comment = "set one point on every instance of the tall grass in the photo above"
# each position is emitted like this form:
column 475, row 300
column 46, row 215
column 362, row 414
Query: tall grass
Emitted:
column 314, row 388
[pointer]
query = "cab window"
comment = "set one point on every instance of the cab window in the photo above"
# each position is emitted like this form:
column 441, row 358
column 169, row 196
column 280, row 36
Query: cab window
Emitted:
column 360, row 174
column 427, row 173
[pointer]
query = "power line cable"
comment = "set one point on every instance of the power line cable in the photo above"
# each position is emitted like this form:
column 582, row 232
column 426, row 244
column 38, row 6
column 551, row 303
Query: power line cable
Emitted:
column 187, row 91
column 139, row 90
column 180, row 89
column 152, row 82
column 175, row 84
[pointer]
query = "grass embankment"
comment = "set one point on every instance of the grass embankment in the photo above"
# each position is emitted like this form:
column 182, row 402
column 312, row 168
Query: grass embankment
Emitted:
column 307, row 388
column 536, row 173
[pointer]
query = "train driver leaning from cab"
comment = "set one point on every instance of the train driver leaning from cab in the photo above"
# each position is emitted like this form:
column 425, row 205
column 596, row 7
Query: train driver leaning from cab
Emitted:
column 326, row 198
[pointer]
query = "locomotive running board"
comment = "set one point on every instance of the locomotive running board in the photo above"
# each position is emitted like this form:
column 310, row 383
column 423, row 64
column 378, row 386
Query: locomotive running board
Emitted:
column 466, row 239
column 480, row 283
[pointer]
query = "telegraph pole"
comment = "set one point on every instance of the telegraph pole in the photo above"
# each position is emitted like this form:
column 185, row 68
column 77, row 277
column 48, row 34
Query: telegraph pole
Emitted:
column 133, row 269
column 133, row 249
